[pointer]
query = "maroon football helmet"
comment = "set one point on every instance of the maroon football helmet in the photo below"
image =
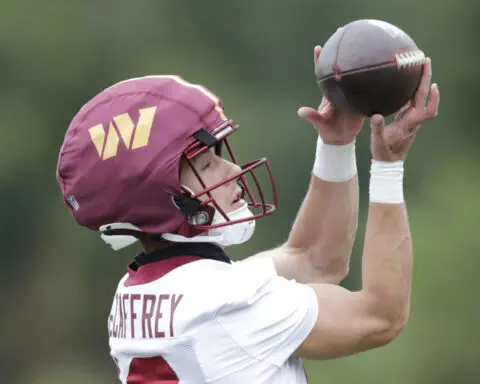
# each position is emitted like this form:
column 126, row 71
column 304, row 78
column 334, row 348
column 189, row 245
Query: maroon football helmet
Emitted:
column 120, row 160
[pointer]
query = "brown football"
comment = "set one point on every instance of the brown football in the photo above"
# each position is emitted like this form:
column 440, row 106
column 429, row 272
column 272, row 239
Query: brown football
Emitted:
column 369, row 66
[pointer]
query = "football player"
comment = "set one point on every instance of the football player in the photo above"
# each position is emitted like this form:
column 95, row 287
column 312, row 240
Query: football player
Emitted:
column 148, row 159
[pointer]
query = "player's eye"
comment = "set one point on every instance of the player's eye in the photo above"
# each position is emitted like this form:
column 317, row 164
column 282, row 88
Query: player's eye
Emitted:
column 207, row 165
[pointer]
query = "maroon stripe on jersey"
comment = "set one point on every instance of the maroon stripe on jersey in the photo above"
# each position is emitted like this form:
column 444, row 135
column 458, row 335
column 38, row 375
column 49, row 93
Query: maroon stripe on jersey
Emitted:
column 151, row 272
column 151, row 370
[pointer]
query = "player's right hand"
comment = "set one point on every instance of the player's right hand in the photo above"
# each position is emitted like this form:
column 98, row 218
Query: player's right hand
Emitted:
column 334, row 127
column 392, row 142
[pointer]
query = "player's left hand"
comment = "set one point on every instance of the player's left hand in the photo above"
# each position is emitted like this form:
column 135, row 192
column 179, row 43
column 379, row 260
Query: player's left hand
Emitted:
column 334, row 127
column 398, row 136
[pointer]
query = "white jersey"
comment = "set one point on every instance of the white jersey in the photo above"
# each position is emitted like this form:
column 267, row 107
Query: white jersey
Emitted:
column 196, row 319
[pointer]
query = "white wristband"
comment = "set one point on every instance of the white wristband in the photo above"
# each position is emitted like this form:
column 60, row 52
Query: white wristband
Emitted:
column 386, row 182
column 335, row 163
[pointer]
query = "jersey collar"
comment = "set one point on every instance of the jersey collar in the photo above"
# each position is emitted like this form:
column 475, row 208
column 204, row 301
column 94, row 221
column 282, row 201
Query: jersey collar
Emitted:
column 203, row 250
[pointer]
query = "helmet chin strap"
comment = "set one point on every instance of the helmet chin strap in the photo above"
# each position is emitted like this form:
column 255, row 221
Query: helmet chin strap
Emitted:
column 117, row 242
column 228, row 235
column 196, row 239
column 224, row 236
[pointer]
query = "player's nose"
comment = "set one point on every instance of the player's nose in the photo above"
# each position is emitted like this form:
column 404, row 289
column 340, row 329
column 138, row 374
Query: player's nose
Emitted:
column 233, row 168
column 230, row 170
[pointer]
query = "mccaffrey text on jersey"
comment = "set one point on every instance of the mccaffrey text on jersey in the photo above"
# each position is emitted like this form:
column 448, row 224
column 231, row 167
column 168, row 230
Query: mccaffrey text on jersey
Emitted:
column 151, row 316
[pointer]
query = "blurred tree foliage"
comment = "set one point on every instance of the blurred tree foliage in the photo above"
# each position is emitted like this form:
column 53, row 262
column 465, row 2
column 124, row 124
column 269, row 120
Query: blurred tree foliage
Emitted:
column 58, row 280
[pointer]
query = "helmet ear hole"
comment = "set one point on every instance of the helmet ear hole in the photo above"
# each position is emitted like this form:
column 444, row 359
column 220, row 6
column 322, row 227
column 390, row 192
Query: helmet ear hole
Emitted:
column 197, row 213
column 187, row 205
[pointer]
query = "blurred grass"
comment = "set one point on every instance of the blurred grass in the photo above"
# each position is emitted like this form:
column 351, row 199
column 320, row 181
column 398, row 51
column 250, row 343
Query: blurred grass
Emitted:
column 58, row 280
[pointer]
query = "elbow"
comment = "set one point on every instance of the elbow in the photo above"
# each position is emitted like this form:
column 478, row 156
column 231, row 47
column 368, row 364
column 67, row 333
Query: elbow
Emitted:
column 394, row 331
column 392, row 328
column 333, row 269
column 399, row 325
column 339, row 274
column 338, row 267
column 334, row 273
column 387, row 322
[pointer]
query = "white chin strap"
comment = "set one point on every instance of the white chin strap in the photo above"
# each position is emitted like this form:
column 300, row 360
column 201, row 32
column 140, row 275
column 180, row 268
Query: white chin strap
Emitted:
column 117, row 242
column 224, row 236
column 228, row 235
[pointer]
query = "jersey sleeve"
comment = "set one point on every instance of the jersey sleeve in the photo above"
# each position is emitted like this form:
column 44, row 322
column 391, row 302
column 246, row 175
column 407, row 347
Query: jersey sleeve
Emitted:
column 266, row 315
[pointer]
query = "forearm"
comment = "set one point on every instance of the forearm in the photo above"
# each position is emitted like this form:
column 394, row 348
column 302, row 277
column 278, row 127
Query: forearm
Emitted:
column 326, row 224
column 324, row 229
column 387, row 260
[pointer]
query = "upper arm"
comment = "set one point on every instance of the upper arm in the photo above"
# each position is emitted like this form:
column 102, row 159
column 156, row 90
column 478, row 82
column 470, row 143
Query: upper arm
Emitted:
column 273, row 318
column 294, row 263
column 267, row 316
column 347, row 323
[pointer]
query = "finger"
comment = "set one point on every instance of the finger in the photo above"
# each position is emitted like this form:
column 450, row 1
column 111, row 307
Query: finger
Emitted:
column 415, row 130
column 323, row 103
column 316, row 54
column 377, row 124
column 327, row 111
column 422, row 92
column 311, row 115
column 403, row 146
column 412, row 130
column 434, row 102
column 401, row 112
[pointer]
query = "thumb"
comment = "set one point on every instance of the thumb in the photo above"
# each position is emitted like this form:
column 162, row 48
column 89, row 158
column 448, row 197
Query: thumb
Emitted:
column 311, row 115
column 377, row 123
column 327, row 110
column 378, row 145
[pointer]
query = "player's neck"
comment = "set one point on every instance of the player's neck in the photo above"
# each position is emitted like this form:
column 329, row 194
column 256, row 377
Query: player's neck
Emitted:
column 152, row 244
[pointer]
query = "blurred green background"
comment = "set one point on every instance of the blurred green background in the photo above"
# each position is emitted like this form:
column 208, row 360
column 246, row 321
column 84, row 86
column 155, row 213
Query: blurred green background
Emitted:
column 57, row 279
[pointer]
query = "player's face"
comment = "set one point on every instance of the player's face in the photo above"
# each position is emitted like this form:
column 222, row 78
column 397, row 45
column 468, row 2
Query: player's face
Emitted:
column 213, row 169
